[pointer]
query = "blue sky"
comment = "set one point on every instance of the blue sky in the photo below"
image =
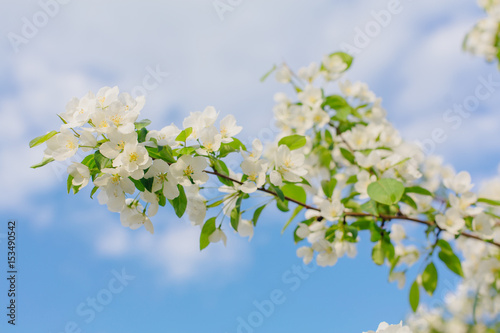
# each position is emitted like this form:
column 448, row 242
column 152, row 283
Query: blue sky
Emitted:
column 71, row 248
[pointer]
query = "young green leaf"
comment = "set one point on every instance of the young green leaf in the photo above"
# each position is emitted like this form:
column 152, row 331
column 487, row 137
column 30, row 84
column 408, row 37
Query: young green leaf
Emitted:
column 414, row 296
column 179, row 203
column 418, row 190
column 295, row 213
column 206, row 231
column 278, row 191
column 328, row 186
column 101, row 161
column 452, row 262
column 489, row 201
column 409, row 201
column 348, row 155
column 69, row 183
column 293, row 141
column 378, row 254
column 94, row 189
column 182, row 137
column 256, row 214
column 43, row 162
column 41, row 139
column 294, row 192
column 347, row 58
column 430, row 278
column 141, row 124
column 370, row 207
column 386, row 191
column 236, row 214
column 264, row 77
column 335, row 102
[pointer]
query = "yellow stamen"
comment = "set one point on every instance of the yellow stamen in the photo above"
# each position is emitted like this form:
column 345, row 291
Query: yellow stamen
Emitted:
column 133, row 157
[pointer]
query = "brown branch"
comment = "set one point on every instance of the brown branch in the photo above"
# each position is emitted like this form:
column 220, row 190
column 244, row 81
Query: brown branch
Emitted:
column 355, row 214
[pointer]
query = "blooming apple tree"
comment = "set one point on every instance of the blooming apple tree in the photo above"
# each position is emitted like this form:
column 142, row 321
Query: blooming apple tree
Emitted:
column 483, row 39
column 338, row 166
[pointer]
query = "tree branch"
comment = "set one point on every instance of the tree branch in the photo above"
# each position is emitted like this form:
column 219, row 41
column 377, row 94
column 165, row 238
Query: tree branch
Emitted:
column 356, row 214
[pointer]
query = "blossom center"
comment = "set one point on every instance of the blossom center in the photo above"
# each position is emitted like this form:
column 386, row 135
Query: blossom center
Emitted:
column 188, row 171
column 116, row 119
column 70, row 145
column 115, row 179
column 133, row 157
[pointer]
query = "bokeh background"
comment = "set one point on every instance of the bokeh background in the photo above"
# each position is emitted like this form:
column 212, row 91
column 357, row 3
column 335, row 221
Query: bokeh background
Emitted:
column 70, row 247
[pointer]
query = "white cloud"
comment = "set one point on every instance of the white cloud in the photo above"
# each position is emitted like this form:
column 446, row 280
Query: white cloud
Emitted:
column 175, row 250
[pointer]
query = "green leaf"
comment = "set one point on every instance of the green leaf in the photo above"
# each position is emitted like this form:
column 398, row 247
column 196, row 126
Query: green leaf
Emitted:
column 282, row 205
column 348, row 155
column 293, row 141
column 43, row 162
column 328, row 186
column 414, row 296
column 235, row 219
column 147, row 183
column 389, row 250
column 141, row 124
column 445, row 246
column 166, row 154
column 343, row 113
column 101, row 161
column 409, row 201
column 215, row 204
column 295, row 213
column 489, row 201
column 93, row 192
column 41, row 139
column 452, row 262
column 206, row 231
column 279, row 192
column 430, row 278
column 237, row 144
column 179, row 203
column 335, row 102
column 89, row 161
column 352, row 180
column 375, row 232
column 182, row 137
column 231, row 147
column 294, row 192
column 256, row 214
column 347, row 58
column 162, row 200
column 370, row 207
column 69, row 183
column 264, row 77
column 236, row 214
column 62, row 119
column 221, row 167
column 362, row 224
column 386, row 191
column 418, row 190
column 141, row 134
column 378, row 254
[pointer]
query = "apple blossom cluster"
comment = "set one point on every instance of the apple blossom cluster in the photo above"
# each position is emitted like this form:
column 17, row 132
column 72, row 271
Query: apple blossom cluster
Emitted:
column 337, row 162
column 483, row 39
column 475, row 304
column 135, row 170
